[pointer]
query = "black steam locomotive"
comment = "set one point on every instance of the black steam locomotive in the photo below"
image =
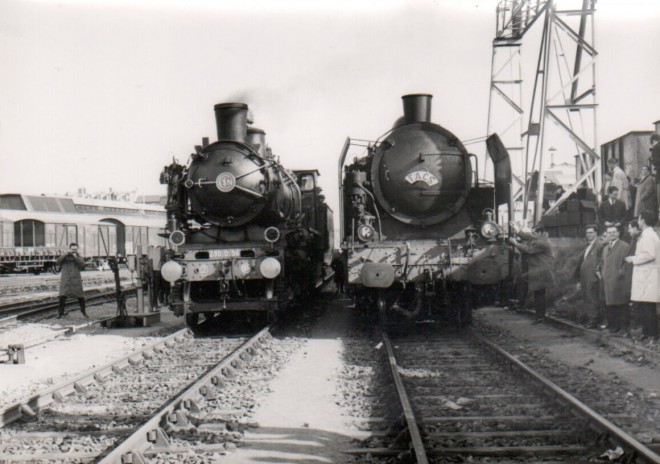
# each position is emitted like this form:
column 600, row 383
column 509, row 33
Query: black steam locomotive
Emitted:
column 246, row 234
column 419, row 231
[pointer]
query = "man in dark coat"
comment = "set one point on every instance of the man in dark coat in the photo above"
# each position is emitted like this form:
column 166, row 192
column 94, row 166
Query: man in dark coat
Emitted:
column 540, row 262
column 588, row 282
column 612, row 210
column 617, row 293
column 645, row 199
column 338, row 267
column 71, row 283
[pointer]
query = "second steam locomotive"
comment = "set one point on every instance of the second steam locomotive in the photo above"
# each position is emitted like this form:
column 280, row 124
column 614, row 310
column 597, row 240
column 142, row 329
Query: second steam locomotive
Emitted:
column 246, row 234
column 419, row 231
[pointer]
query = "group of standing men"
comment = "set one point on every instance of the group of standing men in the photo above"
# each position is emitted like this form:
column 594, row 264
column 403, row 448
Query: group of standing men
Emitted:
column 620, row 279
column 620, row 205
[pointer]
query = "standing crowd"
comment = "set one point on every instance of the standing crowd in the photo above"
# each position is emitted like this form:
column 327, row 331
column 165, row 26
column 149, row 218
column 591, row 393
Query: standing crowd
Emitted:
column 618, row 272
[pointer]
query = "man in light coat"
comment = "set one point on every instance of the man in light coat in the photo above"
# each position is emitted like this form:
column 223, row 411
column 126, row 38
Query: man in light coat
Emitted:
column 71, row 282
column 620, row 181
column 646, row 196
column 645, row 291
column 617, row 295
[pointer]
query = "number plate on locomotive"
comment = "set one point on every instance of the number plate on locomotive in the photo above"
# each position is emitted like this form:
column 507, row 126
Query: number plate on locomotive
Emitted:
column 228, row 253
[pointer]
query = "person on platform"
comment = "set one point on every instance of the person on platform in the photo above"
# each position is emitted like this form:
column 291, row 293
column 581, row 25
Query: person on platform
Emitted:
column 620, row 181
column 613, row 271
column 587, row 274
column 611, row 211
column 540, row 262
column 645, row 292
column 71, row 282
column 337, row 265
column 646, row 198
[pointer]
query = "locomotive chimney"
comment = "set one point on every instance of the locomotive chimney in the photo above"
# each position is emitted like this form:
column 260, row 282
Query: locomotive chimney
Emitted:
column 256, row 138
column 231, row 121
column 417, row 108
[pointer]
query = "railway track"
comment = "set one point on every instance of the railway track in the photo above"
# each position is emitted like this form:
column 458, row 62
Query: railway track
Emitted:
column 464, row 397
column 12, row 312
column 107, row 408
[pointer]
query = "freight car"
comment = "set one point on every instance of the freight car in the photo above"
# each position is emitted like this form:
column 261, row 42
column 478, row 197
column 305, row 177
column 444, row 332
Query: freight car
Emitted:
column 35, row 230
column 246, row 234
column 419, row 231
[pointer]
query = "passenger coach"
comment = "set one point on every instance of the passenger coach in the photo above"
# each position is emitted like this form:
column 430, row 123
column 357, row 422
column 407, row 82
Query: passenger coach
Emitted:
column 35, row 230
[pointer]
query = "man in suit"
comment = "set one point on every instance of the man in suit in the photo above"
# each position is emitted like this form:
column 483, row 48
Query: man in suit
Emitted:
column 645, row 200
column 589, row 282
column 617, row 293
column 620, row 181
column 612, row 210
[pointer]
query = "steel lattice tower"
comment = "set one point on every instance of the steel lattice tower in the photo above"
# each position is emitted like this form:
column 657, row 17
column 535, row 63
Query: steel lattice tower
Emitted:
column 564, row 93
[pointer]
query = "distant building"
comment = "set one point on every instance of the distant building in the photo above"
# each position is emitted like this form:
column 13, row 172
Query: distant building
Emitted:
column 110, row 195
column 631, row 150
column 152, row 199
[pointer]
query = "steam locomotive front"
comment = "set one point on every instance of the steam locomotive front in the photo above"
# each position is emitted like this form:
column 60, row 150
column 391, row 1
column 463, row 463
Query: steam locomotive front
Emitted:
column 416, row 231
column 230, row 212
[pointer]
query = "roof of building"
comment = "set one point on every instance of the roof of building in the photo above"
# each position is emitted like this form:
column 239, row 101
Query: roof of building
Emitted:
column 631, row 133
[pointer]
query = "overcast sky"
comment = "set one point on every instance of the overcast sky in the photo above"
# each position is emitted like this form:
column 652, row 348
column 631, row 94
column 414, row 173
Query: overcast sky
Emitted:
column 101, row 94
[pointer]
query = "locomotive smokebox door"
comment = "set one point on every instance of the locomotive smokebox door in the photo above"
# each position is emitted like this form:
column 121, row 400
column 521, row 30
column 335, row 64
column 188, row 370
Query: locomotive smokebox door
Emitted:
column 421, row 173
column 377, row 275
column 485, row 272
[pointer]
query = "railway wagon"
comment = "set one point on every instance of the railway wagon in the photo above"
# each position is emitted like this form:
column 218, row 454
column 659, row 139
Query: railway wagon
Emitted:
column 419, row 231
column 35, row 230
column 247, row 235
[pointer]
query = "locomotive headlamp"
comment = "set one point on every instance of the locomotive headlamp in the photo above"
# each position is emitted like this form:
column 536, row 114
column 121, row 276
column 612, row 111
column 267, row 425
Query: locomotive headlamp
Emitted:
column 177, row 238
column 270, row 268
column 242, row 268
column 489, row 230
column 272, row 234
column 171, row 271
column 366, row 233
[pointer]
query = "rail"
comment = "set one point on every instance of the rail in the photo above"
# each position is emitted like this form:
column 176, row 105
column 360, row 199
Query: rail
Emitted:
column 30, row 406
column 152, row 433
column 30, row 308
column 411, row 422
column 596, row 421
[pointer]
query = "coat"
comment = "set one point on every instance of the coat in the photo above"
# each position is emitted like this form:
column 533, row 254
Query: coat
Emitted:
column 71, row 282
column 540, row 261
column 646, row 198
column 620, row 181
column 646, row 268
column 588, row 265
column 614, row 273
column 611, row 213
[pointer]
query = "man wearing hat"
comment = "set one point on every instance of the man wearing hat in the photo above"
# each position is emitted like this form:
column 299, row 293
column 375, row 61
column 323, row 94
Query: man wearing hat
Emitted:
column 540, row 261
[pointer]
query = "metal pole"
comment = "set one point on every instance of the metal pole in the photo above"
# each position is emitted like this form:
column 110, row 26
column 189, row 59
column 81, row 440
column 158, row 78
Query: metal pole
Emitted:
column 138, row 270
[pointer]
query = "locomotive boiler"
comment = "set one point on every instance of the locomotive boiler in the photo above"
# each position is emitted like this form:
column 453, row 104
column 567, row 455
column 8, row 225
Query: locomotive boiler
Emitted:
column 420, row 237
column 242, row 228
